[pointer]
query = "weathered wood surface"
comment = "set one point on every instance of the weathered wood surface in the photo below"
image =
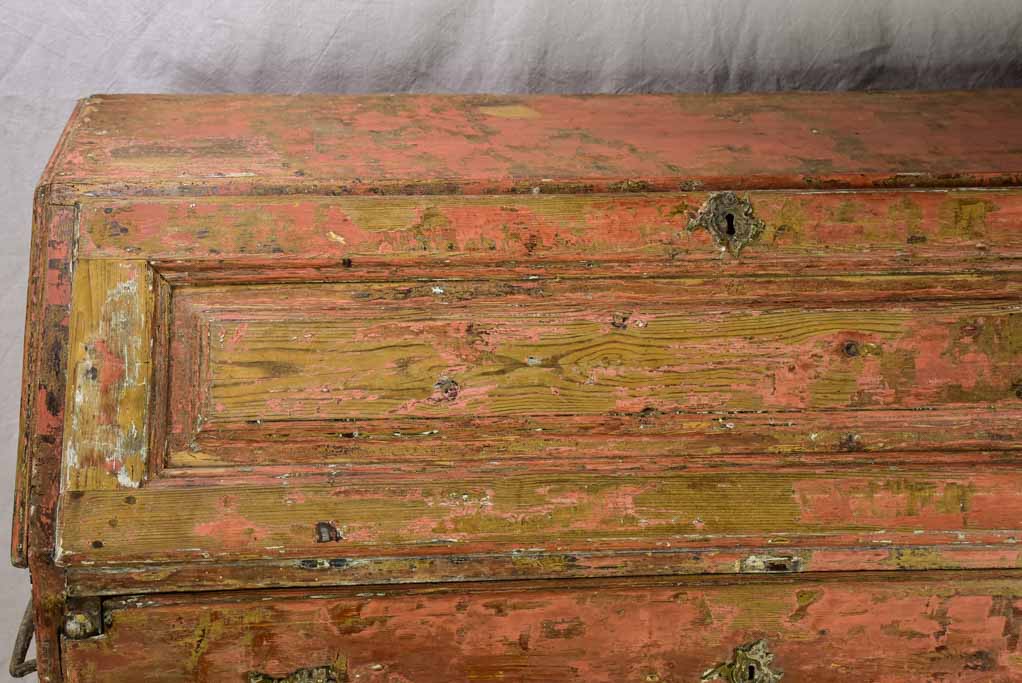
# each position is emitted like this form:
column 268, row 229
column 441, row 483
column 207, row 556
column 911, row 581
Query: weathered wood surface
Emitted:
column 332, row 567
column 311, row 448
column 586, row 369
column 342, row 352
column 123, row 144
column 386, row 238
column 109, row 370
column 884, row 629
column 727, row 429
column 37, row 489
column 499, row 512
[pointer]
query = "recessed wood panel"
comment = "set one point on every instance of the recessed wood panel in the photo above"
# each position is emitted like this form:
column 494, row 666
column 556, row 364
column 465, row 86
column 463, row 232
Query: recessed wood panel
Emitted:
column 424, row 361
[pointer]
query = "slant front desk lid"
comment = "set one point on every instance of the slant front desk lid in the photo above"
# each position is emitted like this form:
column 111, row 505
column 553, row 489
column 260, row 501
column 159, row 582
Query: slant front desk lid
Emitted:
column 480, row 144
column 277, row 341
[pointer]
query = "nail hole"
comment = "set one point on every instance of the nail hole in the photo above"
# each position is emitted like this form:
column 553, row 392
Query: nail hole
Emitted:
column 850, row 443
column 850, row 348
column 730, row 218
column 346, row 262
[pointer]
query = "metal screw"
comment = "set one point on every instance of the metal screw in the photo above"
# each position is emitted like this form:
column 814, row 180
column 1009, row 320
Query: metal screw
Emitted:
column 851, row 348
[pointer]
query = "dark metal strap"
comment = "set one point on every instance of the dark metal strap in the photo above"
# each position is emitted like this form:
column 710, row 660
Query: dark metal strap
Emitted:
column 19, row 667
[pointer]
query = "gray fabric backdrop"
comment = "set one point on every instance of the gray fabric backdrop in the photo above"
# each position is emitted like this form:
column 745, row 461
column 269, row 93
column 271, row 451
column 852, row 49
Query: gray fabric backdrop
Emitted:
column 55, row 51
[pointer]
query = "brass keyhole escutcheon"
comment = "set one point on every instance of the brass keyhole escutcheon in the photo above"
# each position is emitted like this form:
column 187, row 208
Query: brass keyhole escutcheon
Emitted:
column 731, row 221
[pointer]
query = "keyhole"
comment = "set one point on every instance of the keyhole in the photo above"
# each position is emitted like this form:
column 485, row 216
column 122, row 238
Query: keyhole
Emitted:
column 730, row 218
column 752, row 672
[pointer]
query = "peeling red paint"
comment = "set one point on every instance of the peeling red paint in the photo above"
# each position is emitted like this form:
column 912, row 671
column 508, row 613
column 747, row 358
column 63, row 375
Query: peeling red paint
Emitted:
column 381, row 340
column 851, row 629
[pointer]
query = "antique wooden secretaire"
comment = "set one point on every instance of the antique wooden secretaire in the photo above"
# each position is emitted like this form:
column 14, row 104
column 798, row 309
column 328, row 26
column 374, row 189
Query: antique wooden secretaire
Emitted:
column 432, row 389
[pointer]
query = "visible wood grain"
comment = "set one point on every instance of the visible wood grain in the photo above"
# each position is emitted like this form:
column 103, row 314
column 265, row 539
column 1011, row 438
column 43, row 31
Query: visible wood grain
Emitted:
column 333, row 568
column 109, row 375
column 42, row 391
column 885, row 628
column 42, row 425
column 415, row 514
column 352, row 373
column 387, row 238
column 428, row 144
column 37, row 473
column 316, row 342
column 274, row 357
column 274, row 449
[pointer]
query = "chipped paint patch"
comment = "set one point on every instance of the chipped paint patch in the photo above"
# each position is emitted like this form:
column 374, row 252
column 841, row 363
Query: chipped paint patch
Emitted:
column 510, row 111
column 110, row 365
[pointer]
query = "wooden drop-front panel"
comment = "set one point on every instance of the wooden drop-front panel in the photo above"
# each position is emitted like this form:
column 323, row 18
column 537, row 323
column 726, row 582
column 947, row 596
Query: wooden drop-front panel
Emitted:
column 482, row 411
column 279, row 343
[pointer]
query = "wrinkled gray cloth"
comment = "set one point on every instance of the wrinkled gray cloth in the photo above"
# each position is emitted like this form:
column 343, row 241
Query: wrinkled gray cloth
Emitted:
column 55, row 51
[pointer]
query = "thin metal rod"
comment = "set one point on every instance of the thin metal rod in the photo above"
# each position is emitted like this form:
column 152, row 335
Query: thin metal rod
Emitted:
column 19, row 667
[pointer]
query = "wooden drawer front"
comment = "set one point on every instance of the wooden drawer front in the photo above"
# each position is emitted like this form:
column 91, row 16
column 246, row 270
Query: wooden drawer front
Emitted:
column 882, row 629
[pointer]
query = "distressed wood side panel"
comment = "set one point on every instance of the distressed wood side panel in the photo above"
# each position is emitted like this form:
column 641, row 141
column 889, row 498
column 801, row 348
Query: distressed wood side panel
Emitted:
column 42, row 391
column 109, row 375
column 884, row 629
column 42, row 424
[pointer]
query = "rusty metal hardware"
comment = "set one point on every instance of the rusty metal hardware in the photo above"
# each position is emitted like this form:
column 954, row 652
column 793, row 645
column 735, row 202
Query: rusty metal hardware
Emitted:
column 730, row 220
column 760, row 564
column 749, row 664
column 331, row 673
column 20, row 667
column 83, row 618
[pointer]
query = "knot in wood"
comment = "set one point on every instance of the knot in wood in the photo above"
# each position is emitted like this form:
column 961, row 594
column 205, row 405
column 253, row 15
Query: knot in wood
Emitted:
column 445, row 389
